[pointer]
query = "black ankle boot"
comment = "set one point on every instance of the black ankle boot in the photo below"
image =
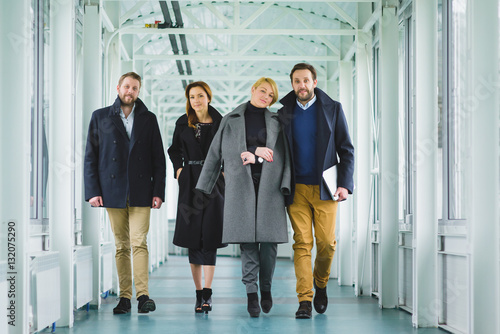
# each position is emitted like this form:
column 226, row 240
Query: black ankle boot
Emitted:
column 207, row 300
column 266, row 301
column 197, row 305
column 253, row 307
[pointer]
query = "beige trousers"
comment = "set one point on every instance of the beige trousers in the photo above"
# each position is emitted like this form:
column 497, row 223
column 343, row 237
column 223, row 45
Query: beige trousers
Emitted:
column 130, row 227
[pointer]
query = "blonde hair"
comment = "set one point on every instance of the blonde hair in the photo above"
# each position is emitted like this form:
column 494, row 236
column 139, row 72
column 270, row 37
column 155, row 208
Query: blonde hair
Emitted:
column 192, row 118
column 133, row 75
column 273, row 86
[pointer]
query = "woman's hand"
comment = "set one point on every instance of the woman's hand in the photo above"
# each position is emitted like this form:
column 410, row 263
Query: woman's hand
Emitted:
column 265, row 153
column 179, row 172
column 248, row 158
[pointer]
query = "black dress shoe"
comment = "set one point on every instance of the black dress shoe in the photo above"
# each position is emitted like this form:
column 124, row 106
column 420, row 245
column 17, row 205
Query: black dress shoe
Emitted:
column 320, row 300
column 253, row 307
column 123, row 306
column 146, row 305
column 304, row 311
column 266, row 301
column 206, row 300
column 197, row 305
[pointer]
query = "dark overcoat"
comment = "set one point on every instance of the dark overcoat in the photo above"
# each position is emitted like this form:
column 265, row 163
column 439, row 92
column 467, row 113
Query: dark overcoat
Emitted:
column 117, row 167
column 199, row 216
column 247, row 220
column 332, row 140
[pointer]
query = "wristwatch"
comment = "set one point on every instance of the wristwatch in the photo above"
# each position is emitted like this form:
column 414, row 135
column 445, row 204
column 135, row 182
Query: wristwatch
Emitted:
column 260, row 160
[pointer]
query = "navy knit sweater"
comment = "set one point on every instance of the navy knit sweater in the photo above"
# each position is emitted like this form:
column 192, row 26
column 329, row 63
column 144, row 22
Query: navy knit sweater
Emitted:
column 304, row 129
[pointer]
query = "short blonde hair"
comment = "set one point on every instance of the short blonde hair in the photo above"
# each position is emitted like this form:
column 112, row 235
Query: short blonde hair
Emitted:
column 133, row 75
column 273, row 86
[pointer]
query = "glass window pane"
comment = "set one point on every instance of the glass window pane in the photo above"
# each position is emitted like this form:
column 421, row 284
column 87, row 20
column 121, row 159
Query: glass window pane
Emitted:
column 440, row 184
column 401, row 139
column 457, row 134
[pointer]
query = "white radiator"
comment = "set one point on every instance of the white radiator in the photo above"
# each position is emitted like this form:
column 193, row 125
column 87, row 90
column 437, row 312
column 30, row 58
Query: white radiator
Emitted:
column 3, row 292
column 106, row 266
column 45, row 289
column 82, row 264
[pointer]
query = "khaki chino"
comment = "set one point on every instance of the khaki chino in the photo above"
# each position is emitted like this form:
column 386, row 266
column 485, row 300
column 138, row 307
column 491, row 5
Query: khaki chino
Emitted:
column 130, row 227
column 306, row 212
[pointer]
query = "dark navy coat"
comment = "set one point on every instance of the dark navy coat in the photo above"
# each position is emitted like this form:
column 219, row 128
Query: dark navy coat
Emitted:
column 199, row 216
column 117, row 167
column 332, row 139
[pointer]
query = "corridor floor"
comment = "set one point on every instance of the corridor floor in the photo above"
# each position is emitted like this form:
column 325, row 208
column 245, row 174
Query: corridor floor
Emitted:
column 172, row 289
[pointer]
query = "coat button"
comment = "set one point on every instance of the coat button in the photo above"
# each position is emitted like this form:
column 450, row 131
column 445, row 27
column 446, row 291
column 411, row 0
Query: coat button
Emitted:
column 114, row 159
column 114, row 141
column 140, row 159
column 140, row 176
column 112, row 176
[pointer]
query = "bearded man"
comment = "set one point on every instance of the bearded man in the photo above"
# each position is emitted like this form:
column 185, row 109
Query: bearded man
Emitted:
column 124, row 171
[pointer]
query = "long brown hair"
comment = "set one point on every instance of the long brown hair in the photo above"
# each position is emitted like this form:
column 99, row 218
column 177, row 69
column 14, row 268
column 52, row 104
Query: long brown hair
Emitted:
column 192, row 118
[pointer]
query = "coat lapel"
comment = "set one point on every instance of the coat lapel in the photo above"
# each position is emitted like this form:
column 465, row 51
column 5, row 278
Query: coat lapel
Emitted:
column 272, row 129
column 324, row 119
column 114, row 115
column 238, row 126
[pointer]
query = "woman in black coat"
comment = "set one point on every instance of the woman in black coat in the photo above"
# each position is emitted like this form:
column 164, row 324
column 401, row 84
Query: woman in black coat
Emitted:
column 199, row 216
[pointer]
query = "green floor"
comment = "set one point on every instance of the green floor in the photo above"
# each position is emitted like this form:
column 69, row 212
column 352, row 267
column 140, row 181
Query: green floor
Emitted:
column 173, row 291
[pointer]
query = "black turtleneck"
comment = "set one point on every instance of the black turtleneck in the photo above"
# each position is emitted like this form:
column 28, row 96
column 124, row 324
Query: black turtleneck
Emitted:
column 255, row 128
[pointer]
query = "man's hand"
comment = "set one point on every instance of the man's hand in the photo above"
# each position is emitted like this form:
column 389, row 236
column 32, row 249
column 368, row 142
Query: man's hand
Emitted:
column 341, row 193
column 157, row 202
column 179, row 172
column 96, row 201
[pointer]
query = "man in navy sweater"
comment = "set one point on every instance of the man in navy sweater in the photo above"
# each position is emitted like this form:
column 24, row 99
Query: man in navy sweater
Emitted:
column 318, row 138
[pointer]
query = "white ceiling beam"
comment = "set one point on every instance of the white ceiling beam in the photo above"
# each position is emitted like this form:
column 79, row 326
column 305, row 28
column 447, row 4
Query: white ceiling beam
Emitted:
column 309, row 26
column 372, row 19
column 259, row 37
column 124, row 51
column 106, row 21
column 343, row 14
column 131, row 12
column 237, row 31
column 294, row 46
column 202, row 26
column 256, row 14
column 256, row 57
column 218, row 14
column 352, row 50
column 252, row 1
column 143, row 41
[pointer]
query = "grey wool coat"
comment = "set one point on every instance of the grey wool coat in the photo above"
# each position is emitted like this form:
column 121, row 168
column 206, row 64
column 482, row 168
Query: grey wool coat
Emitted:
column 246, row 221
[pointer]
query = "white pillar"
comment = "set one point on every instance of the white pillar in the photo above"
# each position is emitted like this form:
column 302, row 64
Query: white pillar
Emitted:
column 388, row 60
column 362, row 143
column 484, row 218
column 344, row 223
column 425, row 213
column 15, row 93
column 61, row 149
column 92, row 100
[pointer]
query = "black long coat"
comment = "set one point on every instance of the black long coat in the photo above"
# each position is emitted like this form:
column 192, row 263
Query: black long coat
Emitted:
column 199, row 216
column 117, row 167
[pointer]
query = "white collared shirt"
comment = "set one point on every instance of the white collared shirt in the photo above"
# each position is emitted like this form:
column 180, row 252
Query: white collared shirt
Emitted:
column 308, row 104
column 128, row 122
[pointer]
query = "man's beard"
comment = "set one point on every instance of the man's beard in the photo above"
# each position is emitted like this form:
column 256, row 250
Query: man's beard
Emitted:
column 306, row 98
column 122, row 99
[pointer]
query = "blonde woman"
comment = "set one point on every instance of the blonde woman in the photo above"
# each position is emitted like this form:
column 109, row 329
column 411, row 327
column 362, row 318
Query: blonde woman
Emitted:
column 251, row 146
